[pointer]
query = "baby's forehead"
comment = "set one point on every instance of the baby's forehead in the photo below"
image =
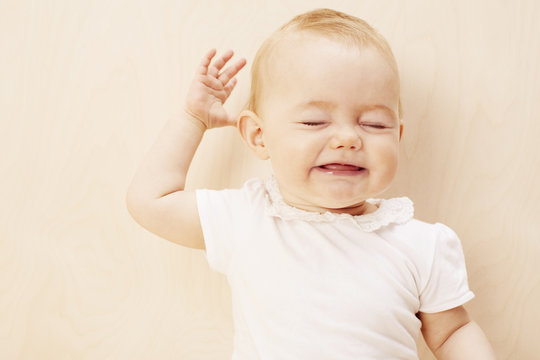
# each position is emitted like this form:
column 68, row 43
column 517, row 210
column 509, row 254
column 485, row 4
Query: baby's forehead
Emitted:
column 282, row 53
column 294, row 71
column 295, row 53
column 295, row 38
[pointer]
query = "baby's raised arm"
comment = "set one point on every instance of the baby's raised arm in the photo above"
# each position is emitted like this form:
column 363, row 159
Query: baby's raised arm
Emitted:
column 156, row 198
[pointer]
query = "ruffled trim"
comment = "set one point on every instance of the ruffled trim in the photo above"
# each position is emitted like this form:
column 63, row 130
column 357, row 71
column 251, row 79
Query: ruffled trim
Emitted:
column 394, row 210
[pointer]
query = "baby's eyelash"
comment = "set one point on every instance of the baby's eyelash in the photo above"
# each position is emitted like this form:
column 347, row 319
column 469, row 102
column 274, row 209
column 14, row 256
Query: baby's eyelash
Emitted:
column 318, row 123
column 312, row 123
column 376, row 126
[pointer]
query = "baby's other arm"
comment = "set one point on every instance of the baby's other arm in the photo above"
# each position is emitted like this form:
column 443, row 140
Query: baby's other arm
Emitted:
column 156, row 198
column 452, row 334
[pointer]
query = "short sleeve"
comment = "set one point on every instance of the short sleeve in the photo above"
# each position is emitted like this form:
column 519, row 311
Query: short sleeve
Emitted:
column 226, row 217
column 447, row 285
column 218, row 211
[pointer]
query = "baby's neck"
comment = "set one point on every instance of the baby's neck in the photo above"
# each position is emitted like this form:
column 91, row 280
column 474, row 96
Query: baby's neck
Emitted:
column 358, row 209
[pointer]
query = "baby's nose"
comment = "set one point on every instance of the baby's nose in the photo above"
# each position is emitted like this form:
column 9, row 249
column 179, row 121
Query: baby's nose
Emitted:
column 346, row 138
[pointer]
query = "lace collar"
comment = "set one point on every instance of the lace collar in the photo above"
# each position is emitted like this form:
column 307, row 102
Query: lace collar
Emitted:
column 394, row 210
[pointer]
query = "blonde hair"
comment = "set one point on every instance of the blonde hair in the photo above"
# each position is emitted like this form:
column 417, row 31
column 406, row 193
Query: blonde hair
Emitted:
column 330, row 23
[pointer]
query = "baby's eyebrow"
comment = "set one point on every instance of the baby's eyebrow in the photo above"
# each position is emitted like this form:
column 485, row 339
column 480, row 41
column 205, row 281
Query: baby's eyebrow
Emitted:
column 318, row 103
column 385, row 108
column 331, row 105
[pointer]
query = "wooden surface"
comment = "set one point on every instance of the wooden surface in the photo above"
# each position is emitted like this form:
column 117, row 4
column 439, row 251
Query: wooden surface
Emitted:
column 86, row 86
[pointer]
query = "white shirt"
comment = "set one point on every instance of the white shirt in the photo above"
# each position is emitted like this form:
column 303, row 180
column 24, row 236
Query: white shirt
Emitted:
column 316, row 286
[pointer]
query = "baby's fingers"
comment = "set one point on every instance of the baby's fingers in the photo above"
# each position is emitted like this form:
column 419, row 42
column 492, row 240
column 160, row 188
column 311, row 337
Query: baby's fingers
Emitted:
column 230, row 86
column 211, row 82
column 230, row 72
column 214, row 70
column 203, row 66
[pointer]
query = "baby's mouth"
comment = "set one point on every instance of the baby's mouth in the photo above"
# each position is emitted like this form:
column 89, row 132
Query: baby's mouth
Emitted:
column 341, row 167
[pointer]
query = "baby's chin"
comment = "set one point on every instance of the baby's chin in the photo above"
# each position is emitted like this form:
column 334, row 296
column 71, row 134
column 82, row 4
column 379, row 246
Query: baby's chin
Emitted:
column 350, row 202
column 341, row 200
column 335, row 198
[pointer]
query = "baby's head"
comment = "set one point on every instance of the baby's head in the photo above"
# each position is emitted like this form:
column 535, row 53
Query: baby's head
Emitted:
column 325, row 109
column 328, row 23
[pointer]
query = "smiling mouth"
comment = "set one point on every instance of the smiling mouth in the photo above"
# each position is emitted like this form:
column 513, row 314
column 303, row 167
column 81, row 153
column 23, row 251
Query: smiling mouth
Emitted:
column 341, row 169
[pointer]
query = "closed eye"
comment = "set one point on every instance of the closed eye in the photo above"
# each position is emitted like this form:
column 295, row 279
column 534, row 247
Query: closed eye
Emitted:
column 375, row 126
column 313, row 123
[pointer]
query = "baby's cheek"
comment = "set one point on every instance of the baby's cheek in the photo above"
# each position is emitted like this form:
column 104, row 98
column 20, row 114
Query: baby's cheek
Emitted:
column 387, row 160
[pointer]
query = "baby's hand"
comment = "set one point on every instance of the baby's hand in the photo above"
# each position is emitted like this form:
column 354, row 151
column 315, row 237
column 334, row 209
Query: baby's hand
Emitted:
column 210, row 89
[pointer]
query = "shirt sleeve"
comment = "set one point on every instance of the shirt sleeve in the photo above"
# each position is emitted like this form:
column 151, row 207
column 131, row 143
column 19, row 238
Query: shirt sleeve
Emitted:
column 223, row 215
column 213, row 208
column 447, row 285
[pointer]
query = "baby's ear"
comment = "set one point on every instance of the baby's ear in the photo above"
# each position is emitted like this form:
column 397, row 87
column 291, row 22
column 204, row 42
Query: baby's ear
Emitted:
column 400, row 128
column 251, row 130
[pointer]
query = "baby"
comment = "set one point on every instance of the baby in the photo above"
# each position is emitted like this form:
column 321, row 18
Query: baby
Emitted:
column 318, row 267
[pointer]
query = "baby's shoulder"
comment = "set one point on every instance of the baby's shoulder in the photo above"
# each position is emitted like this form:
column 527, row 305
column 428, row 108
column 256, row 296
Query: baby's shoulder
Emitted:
column 251, row 187
column 244, row 199
column 415, row 226
column 254, row 185
column 417, row 232
column 422, row 242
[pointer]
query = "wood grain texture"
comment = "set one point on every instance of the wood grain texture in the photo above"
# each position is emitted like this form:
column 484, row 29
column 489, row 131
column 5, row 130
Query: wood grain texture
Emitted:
column 86, row 87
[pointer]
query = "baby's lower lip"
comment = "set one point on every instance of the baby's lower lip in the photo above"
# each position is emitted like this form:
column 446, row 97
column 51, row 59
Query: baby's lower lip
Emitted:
column 338, row 169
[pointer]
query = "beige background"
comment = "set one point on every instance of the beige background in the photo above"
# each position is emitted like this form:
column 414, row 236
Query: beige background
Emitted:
column 86, row 86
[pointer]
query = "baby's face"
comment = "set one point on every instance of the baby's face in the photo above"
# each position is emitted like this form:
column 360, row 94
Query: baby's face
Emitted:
column 330, row 123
